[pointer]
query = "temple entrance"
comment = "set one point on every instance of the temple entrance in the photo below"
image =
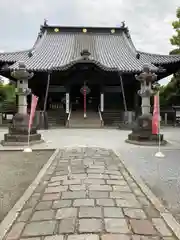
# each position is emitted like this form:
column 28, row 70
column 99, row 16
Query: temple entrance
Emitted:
column 85, row 112
column 92, row 97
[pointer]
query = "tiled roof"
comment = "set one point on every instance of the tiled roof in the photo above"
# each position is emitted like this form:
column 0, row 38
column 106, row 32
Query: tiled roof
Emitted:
column 61, row 49
column 11, row 57
column 158, row 59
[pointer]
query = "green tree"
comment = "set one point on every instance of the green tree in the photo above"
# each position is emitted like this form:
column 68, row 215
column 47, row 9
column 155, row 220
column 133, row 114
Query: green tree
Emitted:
column 170, row 94
column 7, row 97
column 2, row 93
column 175, row 40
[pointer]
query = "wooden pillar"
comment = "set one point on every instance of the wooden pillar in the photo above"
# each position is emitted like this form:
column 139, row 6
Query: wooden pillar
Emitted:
column 45, row 116
column 137, row 103
column 47, row 91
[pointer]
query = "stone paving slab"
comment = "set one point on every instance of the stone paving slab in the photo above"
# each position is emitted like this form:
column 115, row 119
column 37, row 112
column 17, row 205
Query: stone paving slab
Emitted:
column 88, row 194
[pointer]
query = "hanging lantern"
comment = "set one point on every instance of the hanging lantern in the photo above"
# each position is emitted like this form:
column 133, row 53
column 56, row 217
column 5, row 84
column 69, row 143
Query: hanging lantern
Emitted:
column 85, row 89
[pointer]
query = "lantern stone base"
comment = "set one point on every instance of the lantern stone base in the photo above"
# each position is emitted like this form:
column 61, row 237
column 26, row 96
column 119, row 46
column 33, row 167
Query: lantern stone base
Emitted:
column 150, row 140
column 18, row 132
column 21, row 140
column 142, row 133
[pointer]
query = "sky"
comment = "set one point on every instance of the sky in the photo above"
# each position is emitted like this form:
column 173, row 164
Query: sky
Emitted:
column 149, row 21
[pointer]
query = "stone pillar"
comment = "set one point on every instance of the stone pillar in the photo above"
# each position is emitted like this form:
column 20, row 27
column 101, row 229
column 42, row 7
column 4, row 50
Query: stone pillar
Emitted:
column 145, row 106
column 145, row 92
column 67, row 102
column 102, row 102
column 22, row 86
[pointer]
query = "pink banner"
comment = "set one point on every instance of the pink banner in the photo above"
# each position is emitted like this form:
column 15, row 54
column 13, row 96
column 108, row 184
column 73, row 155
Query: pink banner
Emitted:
column 156, row 114
column 33, row 109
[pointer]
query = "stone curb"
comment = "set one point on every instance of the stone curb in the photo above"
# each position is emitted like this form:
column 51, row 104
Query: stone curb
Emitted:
column 165, row 214
column 21, row 149
column 8, row 221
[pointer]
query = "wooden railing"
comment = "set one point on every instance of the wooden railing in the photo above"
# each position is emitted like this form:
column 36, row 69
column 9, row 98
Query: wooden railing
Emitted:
column 54, row 106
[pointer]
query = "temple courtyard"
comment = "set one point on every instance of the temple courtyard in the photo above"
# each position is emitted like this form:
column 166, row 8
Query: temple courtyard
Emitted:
column 90, row 187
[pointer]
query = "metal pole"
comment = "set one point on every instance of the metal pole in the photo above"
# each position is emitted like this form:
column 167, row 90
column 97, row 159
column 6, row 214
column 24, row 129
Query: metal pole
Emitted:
column 159, row 153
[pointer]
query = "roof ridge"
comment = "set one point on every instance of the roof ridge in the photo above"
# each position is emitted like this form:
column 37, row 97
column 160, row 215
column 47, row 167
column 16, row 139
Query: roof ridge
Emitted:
column 39, row 41
column 81, row 26
column 87, row 29
column 129, row 43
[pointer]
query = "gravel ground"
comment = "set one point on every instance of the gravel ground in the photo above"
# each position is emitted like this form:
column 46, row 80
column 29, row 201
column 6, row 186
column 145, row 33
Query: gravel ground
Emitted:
column 17, row 171
column 161, row 175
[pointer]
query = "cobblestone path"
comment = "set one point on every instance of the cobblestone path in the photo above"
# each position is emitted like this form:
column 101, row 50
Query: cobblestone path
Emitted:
column 87, row 194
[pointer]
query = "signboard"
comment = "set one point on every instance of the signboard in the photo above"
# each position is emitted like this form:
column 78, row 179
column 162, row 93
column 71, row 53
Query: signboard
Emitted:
column 67, row 102
column 102, row 102
column 9, row 116
column 177, row 114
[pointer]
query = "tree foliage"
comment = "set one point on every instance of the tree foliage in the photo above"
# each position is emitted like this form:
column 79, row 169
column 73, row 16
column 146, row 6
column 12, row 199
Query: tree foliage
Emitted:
column 7, row 92
column 175, row 40
column 170, row 94
column 7, row 96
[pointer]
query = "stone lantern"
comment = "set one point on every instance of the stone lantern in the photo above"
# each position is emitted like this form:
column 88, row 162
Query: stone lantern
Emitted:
column 142, row 131
column 18, row 130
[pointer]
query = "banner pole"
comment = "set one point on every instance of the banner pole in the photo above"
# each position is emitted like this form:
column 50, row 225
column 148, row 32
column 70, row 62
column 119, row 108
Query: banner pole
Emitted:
column 159, row 127
column 28, row 149
column 34, row 101
column 28, row 136
column 85, row 115
column 159, row 154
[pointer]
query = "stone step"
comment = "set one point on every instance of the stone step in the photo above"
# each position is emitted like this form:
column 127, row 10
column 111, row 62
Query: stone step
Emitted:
column 93, row 126
column 77, row 120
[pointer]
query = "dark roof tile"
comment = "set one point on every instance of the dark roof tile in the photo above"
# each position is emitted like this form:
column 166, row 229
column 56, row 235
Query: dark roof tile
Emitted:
column 159, row 59
column 14, row 56
column 60, row 50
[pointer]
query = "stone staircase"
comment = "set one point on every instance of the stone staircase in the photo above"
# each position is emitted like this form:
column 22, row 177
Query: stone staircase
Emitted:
column 112, row 117
column 77, row 120
column 56, row 118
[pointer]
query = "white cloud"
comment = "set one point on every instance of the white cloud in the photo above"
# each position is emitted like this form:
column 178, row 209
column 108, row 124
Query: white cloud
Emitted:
column 149, row 21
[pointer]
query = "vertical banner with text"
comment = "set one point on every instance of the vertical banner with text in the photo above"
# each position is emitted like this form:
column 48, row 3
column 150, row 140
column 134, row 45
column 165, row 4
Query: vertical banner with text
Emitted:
column 156, row 115
column 84, row 91
column 33, row 109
